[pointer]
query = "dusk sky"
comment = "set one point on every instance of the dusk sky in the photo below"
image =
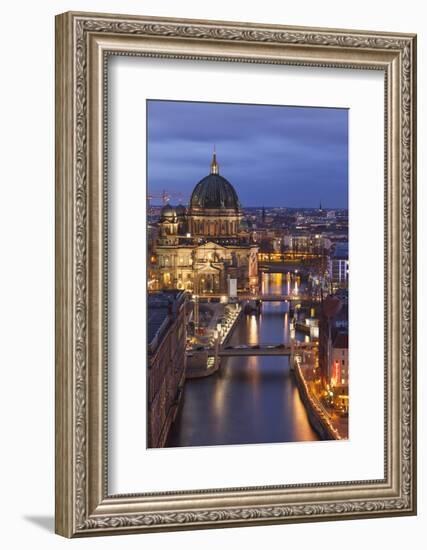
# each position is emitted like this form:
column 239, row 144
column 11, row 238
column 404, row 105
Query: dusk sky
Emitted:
column 272, row 155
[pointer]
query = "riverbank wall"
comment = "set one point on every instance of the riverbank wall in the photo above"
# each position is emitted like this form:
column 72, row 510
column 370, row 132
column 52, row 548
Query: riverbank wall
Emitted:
column 315, row 414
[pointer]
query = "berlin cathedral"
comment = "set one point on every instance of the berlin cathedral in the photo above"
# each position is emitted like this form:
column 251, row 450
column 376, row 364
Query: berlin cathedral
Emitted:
column 201, row 247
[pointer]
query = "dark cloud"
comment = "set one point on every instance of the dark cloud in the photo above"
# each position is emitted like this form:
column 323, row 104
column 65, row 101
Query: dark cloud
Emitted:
column 273, row 155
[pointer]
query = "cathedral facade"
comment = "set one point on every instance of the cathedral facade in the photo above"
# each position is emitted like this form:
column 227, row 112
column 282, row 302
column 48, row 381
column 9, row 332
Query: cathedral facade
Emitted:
column 200, row 247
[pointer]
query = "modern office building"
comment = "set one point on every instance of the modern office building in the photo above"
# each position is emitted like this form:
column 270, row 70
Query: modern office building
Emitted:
column 339, row 266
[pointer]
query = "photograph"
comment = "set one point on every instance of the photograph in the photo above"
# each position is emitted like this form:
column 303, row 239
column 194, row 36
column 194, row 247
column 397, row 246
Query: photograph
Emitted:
column 247, row 274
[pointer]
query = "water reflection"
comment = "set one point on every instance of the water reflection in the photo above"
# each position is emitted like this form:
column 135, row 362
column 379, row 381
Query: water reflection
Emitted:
column 252, row 329
column 250, row 399
column 286, row 334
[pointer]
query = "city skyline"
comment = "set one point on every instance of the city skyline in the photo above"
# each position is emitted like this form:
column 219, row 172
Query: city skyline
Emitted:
column 247, row 274
column 269, row 152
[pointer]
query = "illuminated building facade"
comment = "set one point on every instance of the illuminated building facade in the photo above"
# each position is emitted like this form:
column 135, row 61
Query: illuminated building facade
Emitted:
column 333, row 342
column 339, row 359
column 201, row 246
column 311, row 244
column 167, row 338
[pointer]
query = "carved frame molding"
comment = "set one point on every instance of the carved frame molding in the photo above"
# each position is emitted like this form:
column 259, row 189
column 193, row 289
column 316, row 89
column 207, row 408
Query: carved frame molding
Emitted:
column 83, row 44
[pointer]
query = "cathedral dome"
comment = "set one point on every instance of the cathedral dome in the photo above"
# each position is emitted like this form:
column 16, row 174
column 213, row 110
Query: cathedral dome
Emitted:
column 214, row 191
column 167, row 212
column 180, row 210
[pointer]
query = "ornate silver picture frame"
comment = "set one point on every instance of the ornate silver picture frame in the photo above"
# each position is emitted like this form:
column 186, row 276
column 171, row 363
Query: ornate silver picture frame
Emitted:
column 84, row 42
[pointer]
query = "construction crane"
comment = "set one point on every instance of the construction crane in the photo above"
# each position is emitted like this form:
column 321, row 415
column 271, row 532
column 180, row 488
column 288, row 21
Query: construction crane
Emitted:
column 165, row 197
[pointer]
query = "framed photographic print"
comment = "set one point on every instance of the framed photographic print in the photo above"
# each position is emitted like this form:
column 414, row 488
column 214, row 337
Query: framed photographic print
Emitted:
column 235, row 274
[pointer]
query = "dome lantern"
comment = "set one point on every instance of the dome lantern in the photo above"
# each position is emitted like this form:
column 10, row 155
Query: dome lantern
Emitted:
column 214, row 163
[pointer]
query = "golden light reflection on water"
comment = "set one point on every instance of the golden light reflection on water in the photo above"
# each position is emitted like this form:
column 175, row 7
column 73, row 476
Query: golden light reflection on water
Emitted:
column 276, row 283
column 286, row 327
column 301, row 426
column 252, row 330
column 264, row 283
column 272, row 283
column 255, row 378
column 218, row 397
column 218, row 402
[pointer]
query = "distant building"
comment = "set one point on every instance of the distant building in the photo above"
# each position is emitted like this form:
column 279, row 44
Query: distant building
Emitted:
column 321, row 212
column 339, row 266
column 167, row 338
column 339, row 370
column 200, row 247
column 307, row 244
column 333, row 342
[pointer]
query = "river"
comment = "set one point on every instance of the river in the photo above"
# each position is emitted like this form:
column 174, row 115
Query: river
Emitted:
column 250, row 399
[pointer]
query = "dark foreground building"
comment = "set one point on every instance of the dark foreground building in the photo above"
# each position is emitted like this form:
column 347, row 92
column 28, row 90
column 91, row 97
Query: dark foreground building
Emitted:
column 166, row 361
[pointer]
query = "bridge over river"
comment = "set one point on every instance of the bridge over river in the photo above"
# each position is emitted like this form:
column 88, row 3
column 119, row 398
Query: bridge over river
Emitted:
column 264, row 349
column 268, row 297
column 253, row 397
